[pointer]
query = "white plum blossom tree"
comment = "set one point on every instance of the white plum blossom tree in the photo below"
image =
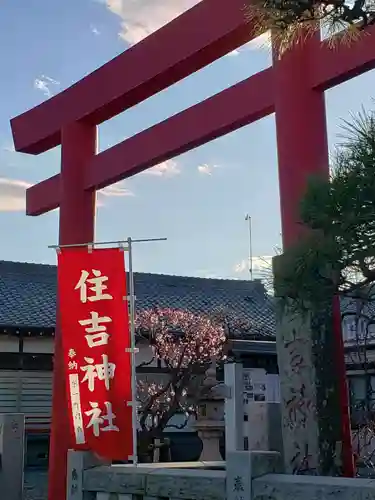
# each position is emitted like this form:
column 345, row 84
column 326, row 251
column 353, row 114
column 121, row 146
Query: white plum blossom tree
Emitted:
column 186, row 343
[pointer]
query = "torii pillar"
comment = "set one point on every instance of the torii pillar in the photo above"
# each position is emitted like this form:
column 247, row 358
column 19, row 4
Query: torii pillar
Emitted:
column 293, row 88
column 77, row 225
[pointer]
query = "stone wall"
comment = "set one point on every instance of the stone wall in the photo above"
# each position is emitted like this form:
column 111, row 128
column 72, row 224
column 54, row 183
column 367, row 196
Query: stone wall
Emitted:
column 246, row 476
column 173, row 481
column 288, row 487
column 196, row 482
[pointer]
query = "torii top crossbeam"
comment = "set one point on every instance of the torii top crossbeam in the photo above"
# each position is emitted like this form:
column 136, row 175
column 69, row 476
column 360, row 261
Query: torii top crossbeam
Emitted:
column 292, row 88
column 151, row 66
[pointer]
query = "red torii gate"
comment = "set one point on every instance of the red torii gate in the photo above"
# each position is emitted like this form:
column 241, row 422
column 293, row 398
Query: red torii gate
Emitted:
column 293, row 88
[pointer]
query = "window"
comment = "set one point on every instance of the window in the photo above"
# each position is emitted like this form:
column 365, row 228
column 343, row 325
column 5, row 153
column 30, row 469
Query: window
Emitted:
column 362, row 398
column 10, row 361
column 246, row 443
column 42, row 362
column 362, row 389
column 26, row 361
column 349, row 329
column 357, row 387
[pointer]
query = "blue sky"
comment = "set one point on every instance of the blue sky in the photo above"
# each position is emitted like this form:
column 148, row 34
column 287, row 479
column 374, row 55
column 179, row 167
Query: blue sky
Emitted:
column 199, row 200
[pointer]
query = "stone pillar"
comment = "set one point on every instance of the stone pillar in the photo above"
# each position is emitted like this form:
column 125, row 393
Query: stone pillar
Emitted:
column 77, row 463
column 234, row 407
column 12, row 455
column 244, row 466
column 310, row 408
column 257, row 426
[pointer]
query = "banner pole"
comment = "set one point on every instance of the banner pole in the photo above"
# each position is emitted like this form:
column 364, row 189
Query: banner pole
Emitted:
column 101, row 243
column 133, row 351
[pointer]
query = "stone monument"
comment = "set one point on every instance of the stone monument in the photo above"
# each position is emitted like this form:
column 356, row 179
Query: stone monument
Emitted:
column 310, row 408
column 12, row 451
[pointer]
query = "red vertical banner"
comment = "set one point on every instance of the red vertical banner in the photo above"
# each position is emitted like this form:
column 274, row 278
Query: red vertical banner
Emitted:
column 95, row 329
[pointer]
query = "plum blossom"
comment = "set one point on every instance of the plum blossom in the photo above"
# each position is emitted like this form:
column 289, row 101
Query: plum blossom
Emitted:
column 186, row 343
column 181, row 338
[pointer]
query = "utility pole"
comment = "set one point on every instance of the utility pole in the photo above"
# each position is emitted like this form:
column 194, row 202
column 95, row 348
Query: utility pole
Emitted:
column 248, row 219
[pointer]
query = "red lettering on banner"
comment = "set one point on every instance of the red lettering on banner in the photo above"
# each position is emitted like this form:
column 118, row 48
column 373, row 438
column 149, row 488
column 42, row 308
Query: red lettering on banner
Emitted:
column 95, row 332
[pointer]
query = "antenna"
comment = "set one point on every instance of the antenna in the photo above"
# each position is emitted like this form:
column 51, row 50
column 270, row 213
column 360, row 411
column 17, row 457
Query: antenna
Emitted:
column 248, row 219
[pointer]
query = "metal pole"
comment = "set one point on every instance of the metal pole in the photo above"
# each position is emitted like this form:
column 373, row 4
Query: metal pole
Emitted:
column 133, row 351
column 99, row 243
column 248, row 219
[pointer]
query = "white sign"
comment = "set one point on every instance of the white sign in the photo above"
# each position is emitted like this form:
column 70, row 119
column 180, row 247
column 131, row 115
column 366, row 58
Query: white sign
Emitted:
column 260, row 387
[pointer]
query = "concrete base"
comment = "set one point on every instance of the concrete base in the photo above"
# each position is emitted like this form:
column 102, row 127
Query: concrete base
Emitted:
column 210, row 438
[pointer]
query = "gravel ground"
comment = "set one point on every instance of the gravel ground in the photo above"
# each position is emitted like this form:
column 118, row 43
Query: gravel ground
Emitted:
column 35, row 484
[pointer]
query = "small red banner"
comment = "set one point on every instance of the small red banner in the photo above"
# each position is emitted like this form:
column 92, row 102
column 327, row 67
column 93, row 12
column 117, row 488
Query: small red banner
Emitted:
column 94, row 324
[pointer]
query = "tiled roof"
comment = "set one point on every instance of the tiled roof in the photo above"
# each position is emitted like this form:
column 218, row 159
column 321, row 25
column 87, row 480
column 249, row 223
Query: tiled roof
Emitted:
column 28, row 296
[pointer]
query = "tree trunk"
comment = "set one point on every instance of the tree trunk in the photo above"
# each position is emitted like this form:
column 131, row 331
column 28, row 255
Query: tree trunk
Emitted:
column 146, row 447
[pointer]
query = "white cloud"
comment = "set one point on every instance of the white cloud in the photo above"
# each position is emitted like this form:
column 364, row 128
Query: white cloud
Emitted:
column 234, row 53
column 206, row 169
column 116, row 190
column 13, row 195
column 50, row 80
column 43, row 84
column 167, row 168
column 241, row 266
column 94, row 30
column 261, row 265
column 140, row 18
column 9, row 148
column 260, row 42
